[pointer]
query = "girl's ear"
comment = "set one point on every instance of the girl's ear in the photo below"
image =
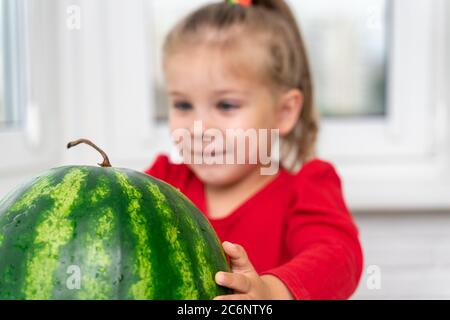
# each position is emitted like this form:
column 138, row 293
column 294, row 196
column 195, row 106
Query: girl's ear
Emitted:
column 289, row 109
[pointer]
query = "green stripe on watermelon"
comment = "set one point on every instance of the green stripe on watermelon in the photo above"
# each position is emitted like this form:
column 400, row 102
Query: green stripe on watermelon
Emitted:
column 186, row 288
column 203, row 237
column 103, row 231
column 38, row 189
column 53, row 232
column 95, row 231
column 143, row 288
column 167, row 274
column 18, row 230
column 97, row 267
column 191, row 236
column 95, row 284
column 24, row 198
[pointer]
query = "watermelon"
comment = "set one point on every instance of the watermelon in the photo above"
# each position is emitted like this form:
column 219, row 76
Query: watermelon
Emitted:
column 85, row 232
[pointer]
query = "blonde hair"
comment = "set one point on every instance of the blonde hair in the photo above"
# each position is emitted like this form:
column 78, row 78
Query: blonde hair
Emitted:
column 273, row 22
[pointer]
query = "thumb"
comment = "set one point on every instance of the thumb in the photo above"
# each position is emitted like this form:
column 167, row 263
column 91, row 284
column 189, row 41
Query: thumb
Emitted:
column 238, row 257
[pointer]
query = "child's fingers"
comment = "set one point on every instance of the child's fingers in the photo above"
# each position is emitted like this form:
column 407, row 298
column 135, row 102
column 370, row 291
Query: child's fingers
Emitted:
column 236, row 281
column 238, row 256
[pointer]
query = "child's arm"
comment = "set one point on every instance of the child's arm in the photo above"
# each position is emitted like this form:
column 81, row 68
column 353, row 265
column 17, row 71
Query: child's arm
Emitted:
column 323, row 243
column 328, row 267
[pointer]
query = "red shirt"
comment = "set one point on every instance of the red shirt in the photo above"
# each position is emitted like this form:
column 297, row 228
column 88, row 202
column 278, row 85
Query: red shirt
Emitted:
column 297, row 227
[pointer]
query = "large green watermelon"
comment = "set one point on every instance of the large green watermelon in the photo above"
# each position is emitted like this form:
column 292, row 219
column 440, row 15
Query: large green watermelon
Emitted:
column 83, row 232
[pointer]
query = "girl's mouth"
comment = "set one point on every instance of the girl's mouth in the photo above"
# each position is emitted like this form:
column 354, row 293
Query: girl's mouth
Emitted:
column 209, row 154
column 206, row 154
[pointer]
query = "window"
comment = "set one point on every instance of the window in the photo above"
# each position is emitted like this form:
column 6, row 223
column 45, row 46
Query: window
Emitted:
column 347, row 43
column 12, row 72
column 29, row 90
column 3, row 115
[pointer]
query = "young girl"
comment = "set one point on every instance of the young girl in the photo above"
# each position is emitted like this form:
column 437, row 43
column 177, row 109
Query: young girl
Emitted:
column 289, row 235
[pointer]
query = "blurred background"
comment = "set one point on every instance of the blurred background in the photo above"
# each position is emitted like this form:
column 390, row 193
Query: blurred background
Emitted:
column 91, row 68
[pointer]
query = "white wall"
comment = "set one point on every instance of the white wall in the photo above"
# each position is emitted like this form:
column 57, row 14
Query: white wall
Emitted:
column 412, row 250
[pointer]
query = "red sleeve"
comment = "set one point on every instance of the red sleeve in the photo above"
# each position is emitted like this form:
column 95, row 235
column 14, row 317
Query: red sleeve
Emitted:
column 160, row 167
column 321, row 238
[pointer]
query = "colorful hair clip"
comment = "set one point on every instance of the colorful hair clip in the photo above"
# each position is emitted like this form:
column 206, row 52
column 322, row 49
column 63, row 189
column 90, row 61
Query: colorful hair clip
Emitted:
column 244, row 3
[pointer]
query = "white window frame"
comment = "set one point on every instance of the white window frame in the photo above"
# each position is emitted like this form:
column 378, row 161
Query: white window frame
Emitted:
column 29, row 146
column 402, row 161
column 400, row 133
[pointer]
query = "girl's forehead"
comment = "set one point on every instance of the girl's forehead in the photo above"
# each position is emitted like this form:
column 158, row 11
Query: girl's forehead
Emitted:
column 213, row 63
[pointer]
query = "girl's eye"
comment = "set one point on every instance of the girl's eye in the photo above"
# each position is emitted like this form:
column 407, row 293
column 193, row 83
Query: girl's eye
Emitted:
column 227, row 106
column 183, row 106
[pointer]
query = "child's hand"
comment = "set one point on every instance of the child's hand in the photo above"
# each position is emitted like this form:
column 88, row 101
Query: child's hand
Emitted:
column 245, row 281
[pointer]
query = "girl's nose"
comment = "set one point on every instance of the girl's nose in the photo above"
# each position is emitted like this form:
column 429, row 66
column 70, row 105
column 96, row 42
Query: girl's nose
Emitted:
column 203, row 120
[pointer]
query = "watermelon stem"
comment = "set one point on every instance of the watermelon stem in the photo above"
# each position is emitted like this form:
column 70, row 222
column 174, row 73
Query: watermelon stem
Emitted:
column 105, row 163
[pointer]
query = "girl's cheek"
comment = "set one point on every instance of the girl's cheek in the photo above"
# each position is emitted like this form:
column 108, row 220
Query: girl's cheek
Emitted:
column 178, row 122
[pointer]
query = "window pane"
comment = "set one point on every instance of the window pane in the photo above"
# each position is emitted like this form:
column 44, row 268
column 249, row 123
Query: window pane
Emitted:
column 3, row 113
column 347, row 45
column 12, row 64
